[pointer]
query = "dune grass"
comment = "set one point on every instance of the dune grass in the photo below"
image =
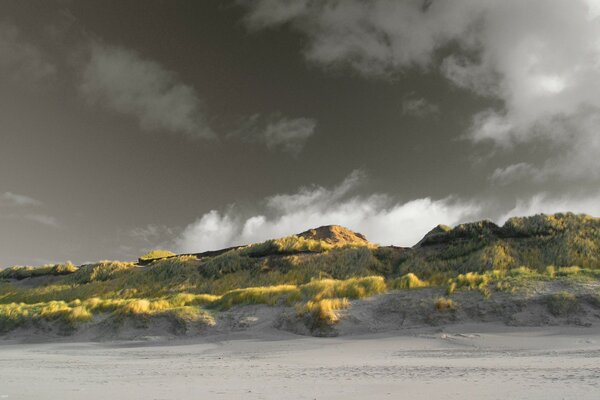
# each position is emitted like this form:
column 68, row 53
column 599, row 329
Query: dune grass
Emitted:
column 408, row 281
column 178, row 282
column 156, row 254
column 315, row 276
column 79, row 311
column 354, row 288
column 562, row 304
column 322, row 312
column 19, row 273
column 444, row 304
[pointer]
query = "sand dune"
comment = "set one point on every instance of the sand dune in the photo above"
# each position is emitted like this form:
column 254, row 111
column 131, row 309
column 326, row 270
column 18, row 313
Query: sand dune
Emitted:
column 456, row 362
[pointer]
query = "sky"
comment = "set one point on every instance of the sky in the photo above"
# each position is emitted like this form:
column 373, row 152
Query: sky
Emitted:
column 196, row 125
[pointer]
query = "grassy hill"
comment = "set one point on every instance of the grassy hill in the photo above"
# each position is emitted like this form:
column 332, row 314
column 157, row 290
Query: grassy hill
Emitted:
column 315, row 274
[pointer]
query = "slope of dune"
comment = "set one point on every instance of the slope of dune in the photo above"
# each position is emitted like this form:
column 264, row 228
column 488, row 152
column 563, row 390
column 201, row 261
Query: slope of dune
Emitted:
column 535, row 270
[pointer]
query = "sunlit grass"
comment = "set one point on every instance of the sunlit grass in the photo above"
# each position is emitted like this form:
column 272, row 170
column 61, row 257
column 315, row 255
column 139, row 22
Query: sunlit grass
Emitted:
column 314, row 276
column 156, row 254
column 18, row 272
column 324, row 311
column 408, row 281
column 444, row 304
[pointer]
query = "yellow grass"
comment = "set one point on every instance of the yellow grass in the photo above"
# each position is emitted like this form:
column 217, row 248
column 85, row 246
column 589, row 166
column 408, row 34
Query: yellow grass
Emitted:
column 444, row 304
column 324, row 311
column 408, row 281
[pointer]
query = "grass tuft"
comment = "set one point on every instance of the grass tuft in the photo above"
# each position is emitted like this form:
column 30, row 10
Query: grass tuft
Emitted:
column 444, row 304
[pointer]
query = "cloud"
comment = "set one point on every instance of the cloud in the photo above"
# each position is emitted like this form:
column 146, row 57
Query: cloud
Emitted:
column 375, row 37
column 513, row 173
column 289, row 135
column 587, row 203
column 21, row 60
column 41, row 219
column 277, row 132
column 539, row 58
column 125, row 82
column 151, row 234
column 378, row 216
column 419, row 107
column 13, row 199
column 18, row 207
column 37, row 218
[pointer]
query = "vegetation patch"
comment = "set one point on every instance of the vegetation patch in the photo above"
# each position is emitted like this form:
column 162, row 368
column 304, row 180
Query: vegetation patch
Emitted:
column 20, row 273
column 444, row 304
column 318, row 272
column 563, row 304
column 156, row 254
column 408, row 281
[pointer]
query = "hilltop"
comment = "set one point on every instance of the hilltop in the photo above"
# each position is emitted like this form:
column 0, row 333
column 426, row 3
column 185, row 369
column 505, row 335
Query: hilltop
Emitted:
column 539, row 269
column 335, row 235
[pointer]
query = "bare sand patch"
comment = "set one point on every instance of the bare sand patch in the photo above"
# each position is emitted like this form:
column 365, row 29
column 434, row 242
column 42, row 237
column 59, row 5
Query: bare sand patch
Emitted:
column 478, row 360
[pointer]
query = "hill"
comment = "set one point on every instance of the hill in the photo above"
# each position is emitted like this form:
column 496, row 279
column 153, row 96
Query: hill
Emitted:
column 312, row 279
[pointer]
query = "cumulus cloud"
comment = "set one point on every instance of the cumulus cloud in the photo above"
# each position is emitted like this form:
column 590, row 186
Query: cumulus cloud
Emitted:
column 378, row 216
column 19, row 59
column 123, row 81
column 540, row 58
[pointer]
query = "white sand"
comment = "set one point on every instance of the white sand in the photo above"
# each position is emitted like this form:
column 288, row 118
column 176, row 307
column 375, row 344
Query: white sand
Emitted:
column 464, row 362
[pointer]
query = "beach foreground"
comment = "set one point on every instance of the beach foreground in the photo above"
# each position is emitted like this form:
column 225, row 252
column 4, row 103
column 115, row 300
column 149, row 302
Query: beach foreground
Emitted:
column 456, row 362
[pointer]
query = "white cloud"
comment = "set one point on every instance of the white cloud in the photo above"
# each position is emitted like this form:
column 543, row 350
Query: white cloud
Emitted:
column 9, row 198
column 514, row 172
column 18, row 207
column 42, row 219
column 587, row 203
column 20, row 59
column 289, row 135
column 540, row 58
column 277, row 132
column 419, row 107
column 150, row 234
column 125, row 82
column 377, row 216
column 375, row 37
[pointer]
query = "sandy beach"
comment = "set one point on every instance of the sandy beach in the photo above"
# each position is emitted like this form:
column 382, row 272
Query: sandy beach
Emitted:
column 456, row 362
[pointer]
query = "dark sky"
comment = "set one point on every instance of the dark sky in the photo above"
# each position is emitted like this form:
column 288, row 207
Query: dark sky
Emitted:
column 191, row 125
